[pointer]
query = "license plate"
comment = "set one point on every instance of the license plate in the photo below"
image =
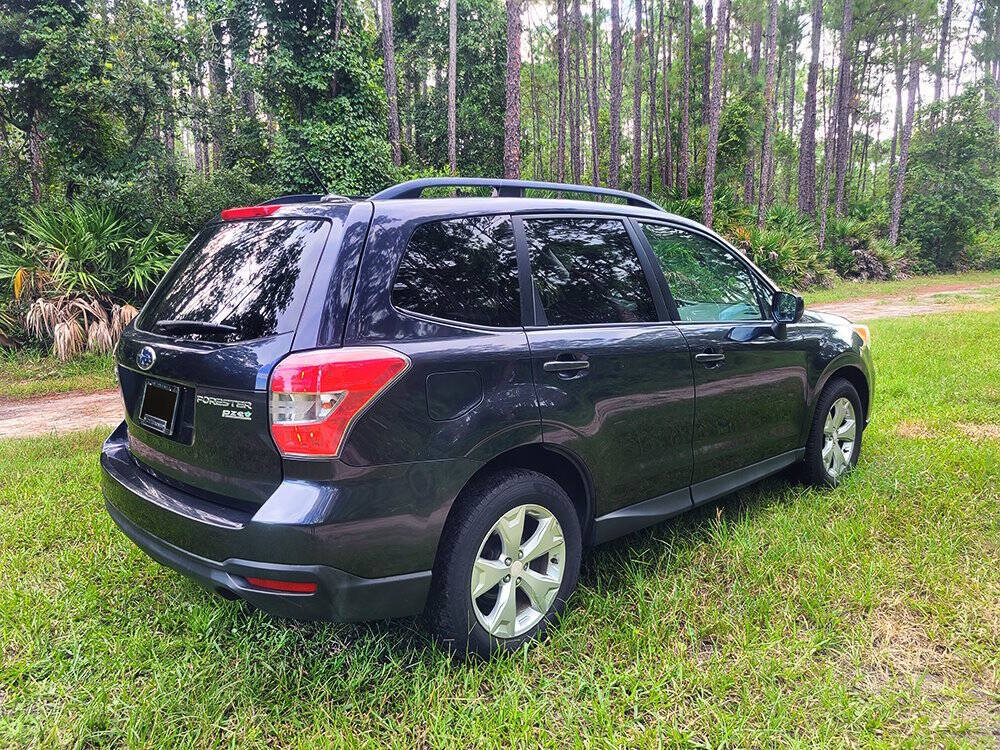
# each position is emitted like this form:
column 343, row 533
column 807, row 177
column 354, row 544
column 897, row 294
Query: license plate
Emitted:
column 158, row 409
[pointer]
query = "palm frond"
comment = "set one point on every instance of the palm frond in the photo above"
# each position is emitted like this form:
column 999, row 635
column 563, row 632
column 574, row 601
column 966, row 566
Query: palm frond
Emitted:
column 67, row 339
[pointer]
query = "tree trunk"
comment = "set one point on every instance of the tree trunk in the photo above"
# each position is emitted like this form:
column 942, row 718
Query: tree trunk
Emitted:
column 965, row 47
column 807, row 143
column 217, row 91
column 536, row 117
column 844, row 108
column 708, row 204
column 563, row 64
column 682, row 156
column 770, row 97
column 667, row 164
column 391, row 93
column 196, row 137
column 452, row 72
column 576, row 107
column 904, row 144
column 512, row 120
column 748, row 169
column 637, row 100
column 651, row 118
column 35, row 162
column 793, row 64
column 828, row 149
column 942, row 57
column 592, row 100
column 668, row 145
column 706, row 78
column 169, row 123
column 616, row 94
column 897, row 123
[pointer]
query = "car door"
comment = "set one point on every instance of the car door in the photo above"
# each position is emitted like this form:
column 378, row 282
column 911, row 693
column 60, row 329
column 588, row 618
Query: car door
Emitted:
column 750, row 375
column 612, row 373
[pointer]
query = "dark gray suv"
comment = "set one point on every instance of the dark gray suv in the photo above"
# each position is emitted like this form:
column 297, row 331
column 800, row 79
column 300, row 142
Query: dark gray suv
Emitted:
column 359, row 409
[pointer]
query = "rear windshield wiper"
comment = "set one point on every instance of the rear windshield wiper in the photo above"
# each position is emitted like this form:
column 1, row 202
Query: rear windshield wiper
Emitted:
column 194, row 326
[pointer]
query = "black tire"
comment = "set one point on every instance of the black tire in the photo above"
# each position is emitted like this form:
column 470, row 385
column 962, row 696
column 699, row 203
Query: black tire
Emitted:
column 449, row 612
column 813, row 467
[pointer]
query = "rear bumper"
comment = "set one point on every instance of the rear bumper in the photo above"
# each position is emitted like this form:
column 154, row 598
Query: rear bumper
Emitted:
column 339, row 596
column 220, row 547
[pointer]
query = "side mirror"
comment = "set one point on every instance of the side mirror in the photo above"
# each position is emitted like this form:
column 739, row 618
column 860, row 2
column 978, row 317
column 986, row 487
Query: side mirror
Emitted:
column 787, row 307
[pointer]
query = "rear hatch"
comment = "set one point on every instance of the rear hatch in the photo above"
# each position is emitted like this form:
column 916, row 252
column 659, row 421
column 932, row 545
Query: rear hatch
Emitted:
column 194, row 367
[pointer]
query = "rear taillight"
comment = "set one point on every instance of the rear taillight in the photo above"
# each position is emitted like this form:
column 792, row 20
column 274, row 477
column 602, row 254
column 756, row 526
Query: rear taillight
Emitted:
column 316, row 395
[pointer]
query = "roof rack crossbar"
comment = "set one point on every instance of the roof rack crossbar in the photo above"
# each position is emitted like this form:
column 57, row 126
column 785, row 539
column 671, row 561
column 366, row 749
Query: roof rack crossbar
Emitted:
column 507, row 189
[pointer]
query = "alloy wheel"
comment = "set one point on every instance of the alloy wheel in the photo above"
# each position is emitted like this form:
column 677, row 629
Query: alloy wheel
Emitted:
column 839, row 433
column 518, row 571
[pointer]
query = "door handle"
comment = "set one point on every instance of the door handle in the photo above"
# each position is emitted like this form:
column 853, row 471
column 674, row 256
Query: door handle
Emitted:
column 707, row 358
column 565, row 365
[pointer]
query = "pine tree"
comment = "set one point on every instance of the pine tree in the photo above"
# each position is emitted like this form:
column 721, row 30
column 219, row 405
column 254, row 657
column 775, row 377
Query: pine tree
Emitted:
column 512, row 116
column 715, row 109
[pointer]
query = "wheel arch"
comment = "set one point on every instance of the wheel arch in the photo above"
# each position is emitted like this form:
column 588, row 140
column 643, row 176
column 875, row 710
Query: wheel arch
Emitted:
column 563, row 467
column 853, row 373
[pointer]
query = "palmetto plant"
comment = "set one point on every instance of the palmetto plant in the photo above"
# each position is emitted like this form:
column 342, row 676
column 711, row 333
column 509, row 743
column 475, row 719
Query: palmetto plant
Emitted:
column 75, row 272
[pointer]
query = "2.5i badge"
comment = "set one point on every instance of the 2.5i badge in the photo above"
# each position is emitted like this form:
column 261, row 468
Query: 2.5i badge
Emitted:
column 231, row 408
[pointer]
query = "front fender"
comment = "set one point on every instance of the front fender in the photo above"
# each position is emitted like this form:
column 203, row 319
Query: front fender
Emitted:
column 856, row 366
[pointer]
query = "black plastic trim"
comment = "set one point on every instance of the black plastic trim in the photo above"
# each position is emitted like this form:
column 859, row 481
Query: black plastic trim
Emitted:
column 649, row 512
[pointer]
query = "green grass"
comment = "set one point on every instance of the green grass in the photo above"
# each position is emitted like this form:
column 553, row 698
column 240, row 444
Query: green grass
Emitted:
column 847, row 290
column 25, row 374
column 782, row 616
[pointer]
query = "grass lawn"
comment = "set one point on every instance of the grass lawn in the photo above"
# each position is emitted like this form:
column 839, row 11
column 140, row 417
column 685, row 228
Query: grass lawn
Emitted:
column 846, row 290
column 780, row 617
column 28, row 374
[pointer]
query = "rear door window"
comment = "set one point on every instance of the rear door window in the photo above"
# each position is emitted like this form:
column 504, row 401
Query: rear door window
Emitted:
column 464, row 270
column 587, row 271
column 250, row 277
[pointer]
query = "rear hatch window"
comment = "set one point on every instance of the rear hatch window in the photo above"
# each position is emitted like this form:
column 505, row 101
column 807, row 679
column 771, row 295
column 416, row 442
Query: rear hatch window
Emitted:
column 226, row 311
column 238, row 281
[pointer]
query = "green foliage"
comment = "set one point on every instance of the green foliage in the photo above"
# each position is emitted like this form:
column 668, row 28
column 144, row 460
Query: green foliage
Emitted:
column 790, row 256
column 856, row 251
column 202, row 197
column 983, row 253
column 327, row 90
column 72, row 276
column 482, row 52
column 80, row 249
column 952, row 179
column 738, row 127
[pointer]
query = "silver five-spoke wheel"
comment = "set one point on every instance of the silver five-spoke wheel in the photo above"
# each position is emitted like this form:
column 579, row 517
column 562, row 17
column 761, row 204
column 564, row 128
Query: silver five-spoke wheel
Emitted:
column 518, row 571
column 839, row 432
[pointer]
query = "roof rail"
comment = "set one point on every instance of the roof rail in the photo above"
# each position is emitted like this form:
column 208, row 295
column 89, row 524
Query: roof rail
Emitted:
column 300, row 198
column 507, row 189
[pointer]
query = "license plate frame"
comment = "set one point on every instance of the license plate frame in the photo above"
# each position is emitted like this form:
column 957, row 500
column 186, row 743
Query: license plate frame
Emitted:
column 159, row 421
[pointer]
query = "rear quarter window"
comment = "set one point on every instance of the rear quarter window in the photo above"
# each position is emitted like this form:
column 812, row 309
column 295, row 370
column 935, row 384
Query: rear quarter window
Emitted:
column 250, row 275
column 462, row 270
